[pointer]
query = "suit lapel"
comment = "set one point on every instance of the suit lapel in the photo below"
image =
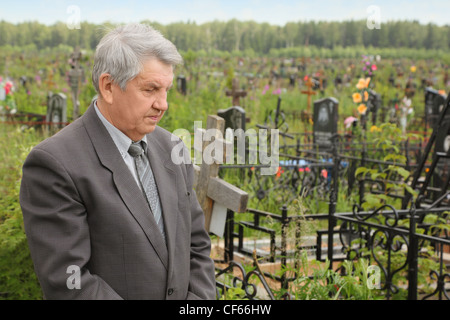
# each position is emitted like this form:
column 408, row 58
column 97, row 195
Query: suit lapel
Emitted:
column 126, row 185
column 166, row 180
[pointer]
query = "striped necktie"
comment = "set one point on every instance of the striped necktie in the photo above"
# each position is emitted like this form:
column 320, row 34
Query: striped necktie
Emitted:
column 148, row 184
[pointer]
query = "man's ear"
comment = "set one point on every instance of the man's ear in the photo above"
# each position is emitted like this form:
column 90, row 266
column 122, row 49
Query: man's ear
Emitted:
column 105, row 86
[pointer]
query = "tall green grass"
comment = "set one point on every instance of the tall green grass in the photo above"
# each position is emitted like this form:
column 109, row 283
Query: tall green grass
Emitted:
column 17, row 278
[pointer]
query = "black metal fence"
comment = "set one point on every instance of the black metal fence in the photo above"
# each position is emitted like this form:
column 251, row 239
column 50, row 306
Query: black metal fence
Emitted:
column 411, row 246
column 402, row 243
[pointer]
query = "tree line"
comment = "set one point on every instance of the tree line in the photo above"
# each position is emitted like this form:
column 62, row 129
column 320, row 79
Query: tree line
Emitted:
column 244, row 36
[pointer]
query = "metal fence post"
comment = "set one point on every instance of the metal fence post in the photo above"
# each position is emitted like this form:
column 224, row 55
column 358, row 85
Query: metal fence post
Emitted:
column 284, row 227
column 229, row 236
column 333, row 199
column 412, row 256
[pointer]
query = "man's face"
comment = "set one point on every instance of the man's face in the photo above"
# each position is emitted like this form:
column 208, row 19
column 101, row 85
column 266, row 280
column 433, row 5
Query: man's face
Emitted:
column 137, row 110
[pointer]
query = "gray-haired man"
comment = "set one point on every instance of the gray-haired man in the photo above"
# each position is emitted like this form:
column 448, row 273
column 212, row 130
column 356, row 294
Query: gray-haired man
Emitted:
column 107, row 214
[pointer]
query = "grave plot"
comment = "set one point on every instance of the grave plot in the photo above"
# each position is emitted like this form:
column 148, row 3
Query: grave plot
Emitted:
column 55, row 116
column 395, row 242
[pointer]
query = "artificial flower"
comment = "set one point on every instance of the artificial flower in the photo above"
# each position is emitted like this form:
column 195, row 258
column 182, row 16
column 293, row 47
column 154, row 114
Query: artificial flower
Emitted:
column 361, row 84
column 362, row 108
column 366, row 96
column 348, row 121
column 356, row 97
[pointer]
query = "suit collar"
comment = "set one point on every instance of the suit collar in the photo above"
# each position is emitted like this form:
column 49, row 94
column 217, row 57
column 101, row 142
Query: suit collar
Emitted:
column 110, row 157
column 167, row 181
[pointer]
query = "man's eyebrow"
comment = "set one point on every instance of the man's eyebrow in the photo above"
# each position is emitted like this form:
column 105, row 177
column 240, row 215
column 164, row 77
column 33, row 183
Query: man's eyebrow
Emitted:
column 156, row 85
column 151, row 84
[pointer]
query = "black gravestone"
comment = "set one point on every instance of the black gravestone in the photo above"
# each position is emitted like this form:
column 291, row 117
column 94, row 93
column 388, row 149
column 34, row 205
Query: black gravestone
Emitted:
column 56, row 110
column 234, row 117
column 434, row 103
column 374, row 104
column 181, row 84
column 325, row 118
column 441, row 154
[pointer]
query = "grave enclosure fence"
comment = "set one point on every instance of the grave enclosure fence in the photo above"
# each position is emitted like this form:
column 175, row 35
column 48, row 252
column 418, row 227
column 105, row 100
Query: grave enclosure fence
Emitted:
column 411, row 252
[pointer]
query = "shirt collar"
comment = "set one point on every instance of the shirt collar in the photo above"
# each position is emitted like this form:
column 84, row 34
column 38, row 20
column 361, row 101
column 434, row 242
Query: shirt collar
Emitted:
column 121, row 141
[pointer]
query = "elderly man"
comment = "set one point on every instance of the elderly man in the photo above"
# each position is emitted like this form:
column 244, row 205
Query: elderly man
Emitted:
column 107, row 214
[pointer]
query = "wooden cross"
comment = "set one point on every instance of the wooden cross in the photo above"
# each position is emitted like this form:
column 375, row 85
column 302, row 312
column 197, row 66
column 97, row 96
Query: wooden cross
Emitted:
column 214, row 194
column 310, row 93
column 235, row 93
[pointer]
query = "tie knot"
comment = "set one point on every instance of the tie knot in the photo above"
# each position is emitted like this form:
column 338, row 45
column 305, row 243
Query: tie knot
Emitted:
column 135, row 149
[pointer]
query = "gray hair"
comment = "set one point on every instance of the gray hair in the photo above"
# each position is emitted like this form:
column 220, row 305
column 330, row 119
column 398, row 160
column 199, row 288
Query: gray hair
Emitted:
column 123, row 51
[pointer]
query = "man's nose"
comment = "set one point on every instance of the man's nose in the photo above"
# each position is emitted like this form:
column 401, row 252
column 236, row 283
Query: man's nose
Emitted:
column 161, row 102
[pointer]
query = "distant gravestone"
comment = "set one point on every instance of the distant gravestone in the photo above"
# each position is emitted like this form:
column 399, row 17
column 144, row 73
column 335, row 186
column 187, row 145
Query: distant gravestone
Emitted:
column 181, row 84
column 325, row 121
column 374, row 104
column 292, row 80
column 56, row 110
column 234, row 117
column 23, row 81
column 434, row 103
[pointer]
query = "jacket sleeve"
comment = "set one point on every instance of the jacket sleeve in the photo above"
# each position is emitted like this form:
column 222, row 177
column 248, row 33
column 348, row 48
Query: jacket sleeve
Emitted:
column 56, row 226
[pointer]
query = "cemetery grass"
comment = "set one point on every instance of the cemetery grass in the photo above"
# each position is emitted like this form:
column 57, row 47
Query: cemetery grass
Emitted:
column 17, row 278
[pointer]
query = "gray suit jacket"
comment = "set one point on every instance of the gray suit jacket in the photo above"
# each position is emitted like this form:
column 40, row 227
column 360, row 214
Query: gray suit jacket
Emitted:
column 82, row 208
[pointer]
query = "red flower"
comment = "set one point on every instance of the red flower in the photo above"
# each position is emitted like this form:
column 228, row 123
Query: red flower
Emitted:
column 8, row 87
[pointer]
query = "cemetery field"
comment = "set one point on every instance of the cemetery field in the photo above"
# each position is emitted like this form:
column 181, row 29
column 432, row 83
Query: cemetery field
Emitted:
column 353, row 136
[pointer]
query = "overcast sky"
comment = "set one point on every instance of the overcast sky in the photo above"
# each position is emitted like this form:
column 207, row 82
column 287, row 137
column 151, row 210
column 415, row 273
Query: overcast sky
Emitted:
column 277, row 12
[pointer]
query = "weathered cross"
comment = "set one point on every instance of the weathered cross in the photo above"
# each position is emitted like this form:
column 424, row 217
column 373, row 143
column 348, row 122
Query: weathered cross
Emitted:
column 235, row 93
column 75, row 75
column 310, row 93
column 214, row 194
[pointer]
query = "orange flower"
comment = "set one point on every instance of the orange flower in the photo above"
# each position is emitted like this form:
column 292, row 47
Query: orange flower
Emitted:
column 441, row 92
column 375, row 129
column 366, row 96
column 356, row 97
column 361, row 84
column 278, row 172
column 362, row 108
